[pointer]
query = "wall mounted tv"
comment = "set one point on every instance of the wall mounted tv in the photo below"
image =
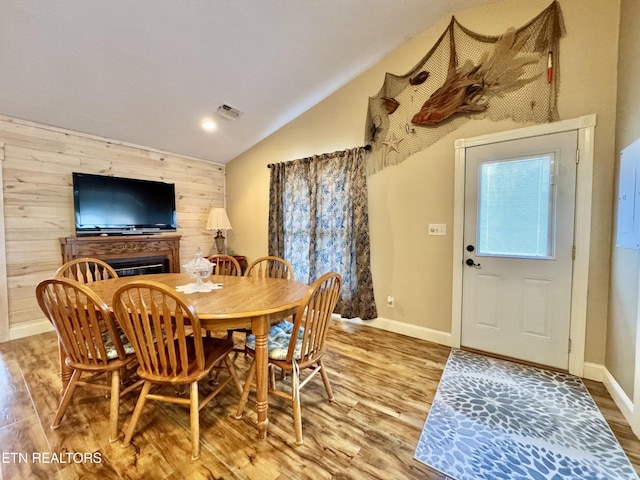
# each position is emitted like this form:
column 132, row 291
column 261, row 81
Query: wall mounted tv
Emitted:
column 121, row 206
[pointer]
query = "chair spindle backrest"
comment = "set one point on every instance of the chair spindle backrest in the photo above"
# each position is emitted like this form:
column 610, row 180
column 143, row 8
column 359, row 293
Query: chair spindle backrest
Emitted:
column 81, row 319
column 86, row 270
column 157, row 321
column 314, row 317
column 270, row 267
column 225, row 265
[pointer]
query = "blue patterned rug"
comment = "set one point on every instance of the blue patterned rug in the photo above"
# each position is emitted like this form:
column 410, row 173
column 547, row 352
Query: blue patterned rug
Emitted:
column 493, row 419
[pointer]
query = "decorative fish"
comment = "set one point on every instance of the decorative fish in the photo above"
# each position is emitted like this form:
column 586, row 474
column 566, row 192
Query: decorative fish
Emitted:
column 467, row 88
column 460, row 93
column 391, row 104
column 420, row 78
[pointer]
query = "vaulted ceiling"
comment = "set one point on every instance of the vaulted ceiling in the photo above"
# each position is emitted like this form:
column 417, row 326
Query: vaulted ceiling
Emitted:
column 149, row 72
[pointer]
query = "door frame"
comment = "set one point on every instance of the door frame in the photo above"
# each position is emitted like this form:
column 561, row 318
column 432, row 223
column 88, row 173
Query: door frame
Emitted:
column 585, row 126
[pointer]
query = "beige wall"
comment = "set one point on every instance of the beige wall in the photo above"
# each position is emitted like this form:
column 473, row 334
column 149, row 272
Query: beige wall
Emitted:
column 38, row 200
column 404, row 199
column 623, row 314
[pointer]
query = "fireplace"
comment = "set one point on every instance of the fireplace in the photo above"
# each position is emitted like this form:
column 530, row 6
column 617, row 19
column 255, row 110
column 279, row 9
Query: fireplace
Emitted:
column 129, row 255
column 126, row 267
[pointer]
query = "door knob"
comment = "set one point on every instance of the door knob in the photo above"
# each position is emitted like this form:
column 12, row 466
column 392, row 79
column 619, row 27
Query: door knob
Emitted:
column 471, row 263
column 470, row 248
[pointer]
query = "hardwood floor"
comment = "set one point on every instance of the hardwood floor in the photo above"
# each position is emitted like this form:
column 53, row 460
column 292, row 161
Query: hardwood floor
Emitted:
column 383, row 385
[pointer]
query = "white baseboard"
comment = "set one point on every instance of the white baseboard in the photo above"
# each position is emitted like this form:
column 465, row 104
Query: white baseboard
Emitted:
column 27, row 329
column 622, row 400
column 600, row 373
column 415, row 331
column 593, row 371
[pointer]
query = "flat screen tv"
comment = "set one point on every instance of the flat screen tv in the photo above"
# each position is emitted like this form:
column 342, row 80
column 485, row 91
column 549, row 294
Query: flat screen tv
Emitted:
column 121, row 206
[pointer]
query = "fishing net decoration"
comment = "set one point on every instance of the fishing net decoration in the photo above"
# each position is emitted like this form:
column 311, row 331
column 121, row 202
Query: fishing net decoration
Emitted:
column 467, row 76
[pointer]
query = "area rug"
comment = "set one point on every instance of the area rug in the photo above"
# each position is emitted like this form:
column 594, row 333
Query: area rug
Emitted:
column 493, row 419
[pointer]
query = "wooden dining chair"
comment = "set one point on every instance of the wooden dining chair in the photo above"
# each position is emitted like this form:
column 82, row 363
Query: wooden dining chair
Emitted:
column 266, row 267
column 225, row 265
column 83, row 270
column 298, row 346
column 86, row 270
column 270, row 267
column 159, row 322
column 91, row 342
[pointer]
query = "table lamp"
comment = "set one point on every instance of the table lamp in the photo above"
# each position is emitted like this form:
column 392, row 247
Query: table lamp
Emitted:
column 218, row 220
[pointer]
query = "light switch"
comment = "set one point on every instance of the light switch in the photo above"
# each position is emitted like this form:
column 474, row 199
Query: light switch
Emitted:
column 437, row 229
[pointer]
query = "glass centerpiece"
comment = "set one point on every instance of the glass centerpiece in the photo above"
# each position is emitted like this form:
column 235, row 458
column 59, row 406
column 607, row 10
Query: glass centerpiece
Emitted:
column 199, row 268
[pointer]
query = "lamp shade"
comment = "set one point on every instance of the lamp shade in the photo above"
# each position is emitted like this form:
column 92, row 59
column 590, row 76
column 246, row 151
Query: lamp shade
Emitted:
column 218, row 220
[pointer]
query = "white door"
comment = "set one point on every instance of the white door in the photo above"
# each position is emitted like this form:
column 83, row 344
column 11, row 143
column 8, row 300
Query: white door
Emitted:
column 518, row 240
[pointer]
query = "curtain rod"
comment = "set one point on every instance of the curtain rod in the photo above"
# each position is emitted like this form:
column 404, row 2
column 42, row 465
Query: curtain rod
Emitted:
column 366, row 147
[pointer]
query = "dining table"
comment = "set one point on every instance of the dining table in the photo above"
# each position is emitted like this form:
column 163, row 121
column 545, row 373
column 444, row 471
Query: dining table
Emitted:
column 239, row 303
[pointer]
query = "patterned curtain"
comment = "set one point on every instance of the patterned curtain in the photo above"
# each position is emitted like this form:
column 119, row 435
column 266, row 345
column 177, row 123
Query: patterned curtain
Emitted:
column 318, row 222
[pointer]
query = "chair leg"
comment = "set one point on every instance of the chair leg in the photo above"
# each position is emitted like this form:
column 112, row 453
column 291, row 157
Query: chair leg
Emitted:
column 109, row 383
column 295, row 400
column 234, row 375
column 136, row 413
column 325, row 380
column 246, row 353
column 194, row 415
column 66, row 399
column 247, row 388
column 272, row 377
column 114, row 405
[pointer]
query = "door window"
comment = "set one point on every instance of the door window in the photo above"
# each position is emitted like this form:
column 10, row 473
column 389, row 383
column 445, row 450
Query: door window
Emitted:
column 516, row 207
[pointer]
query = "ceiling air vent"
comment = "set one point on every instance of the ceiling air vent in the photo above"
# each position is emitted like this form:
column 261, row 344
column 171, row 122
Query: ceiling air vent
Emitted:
column 227, row 111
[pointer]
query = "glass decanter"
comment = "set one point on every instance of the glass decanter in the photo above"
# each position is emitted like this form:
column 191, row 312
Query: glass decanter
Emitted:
column 199, row 267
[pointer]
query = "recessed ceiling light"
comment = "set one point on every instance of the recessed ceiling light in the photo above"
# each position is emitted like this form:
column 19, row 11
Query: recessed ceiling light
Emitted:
column 209, row 125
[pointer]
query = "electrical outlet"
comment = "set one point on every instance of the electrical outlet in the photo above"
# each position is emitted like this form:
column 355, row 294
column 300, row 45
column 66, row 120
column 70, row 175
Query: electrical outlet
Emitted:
column 390, row 301
column 437, row 229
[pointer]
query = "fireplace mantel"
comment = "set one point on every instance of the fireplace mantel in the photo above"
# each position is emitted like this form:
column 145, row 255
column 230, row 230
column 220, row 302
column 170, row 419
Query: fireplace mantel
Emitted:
column 123, row 247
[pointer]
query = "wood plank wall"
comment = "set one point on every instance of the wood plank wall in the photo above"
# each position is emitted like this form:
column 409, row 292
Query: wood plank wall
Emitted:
column 38, row 199
column 4, row 298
